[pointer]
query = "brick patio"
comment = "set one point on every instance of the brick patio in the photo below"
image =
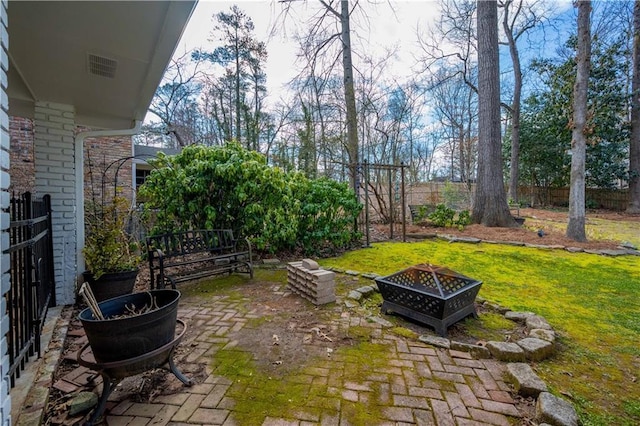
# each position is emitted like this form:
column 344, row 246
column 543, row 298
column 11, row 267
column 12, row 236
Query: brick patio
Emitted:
column 420, row 385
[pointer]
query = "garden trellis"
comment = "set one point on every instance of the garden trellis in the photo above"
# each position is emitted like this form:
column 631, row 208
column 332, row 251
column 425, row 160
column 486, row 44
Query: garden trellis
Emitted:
column 391, row 169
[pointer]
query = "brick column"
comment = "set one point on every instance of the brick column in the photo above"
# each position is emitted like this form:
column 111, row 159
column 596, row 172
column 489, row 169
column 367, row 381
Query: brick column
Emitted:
column 5, row 284
column 54, row 152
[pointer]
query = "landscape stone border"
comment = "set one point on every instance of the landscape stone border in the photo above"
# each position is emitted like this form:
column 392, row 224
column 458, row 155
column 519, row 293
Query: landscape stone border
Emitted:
column 624, row 249
column 538, row 345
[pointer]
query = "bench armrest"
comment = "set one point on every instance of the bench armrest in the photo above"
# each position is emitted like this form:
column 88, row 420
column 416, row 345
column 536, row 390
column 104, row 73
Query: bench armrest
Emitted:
column 155, row 254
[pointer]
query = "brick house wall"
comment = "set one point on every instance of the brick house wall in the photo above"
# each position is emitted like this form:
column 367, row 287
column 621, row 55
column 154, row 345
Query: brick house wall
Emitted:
column 99, row 153
column 22, row 170
column 50, row 137
column 103, row 158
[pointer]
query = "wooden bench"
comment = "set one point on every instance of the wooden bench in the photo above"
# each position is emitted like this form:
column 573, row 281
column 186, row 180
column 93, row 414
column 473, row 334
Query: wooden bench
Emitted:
column 420, row 212
column 190, row 255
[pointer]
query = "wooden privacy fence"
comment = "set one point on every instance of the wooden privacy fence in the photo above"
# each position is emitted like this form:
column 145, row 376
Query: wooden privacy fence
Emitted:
column 32, row 278
column 461, row 195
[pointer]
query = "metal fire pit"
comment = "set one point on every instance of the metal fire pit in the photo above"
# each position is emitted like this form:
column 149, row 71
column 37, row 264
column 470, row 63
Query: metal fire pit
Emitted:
column 432, row 295
column 115, row 371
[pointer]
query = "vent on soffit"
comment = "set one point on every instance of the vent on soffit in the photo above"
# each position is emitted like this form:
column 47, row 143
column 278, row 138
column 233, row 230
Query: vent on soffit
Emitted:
column 101, row 66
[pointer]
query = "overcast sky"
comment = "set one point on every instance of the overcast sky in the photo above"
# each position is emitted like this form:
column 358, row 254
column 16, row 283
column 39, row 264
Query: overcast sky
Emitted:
column 388, row 26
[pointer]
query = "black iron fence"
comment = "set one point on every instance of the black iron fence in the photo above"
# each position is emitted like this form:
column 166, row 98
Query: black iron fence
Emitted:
column 32, row 278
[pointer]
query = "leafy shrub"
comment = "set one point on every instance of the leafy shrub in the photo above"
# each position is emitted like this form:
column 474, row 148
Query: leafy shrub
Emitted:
column 464, row 218
column 424, row 211
column 327, row 213
column 591, row 204
column 231, row 187
column 444, row 216
column 108, row 248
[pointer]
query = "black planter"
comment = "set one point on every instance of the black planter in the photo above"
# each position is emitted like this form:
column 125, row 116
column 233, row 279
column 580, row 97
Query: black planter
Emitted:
column 112, row 284
column 131, row 336
column 519, row 220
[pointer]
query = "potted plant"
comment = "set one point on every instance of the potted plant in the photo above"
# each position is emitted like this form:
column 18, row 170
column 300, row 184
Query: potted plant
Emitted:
column 111, row 254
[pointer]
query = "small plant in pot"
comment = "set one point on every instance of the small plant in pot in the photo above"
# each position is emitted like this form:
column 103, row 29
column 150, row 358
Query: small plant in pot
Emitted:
column 111, row 255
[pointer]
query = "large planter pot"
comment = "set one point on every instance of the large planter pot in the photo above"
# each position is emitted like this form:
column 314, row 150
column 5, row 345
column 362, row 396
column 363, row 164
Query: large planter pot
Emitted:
column 112, row 284
column 130, row 336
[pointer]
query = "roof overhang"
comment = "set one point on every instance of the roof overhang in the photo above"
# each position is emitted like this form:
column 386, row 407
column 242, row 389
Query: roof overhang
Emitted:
column 106, row 58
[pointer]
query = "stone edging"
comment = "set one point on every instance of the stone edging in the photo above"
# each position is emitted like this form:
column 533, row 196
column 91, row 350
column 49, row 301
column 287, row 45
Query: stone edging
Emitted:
column 537, row 346
column 625, row 249
column 33, row 408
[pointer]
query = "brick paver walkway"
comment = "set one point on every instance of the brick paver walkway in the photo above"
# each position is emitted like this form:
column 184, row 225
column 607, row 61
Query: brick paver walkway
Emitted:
column 422, row 385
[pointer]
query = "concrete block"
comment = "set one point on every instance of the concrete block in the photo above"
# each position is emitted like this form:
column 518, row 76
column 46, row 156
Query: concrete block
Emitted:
column 323, row 276
column 310, row 264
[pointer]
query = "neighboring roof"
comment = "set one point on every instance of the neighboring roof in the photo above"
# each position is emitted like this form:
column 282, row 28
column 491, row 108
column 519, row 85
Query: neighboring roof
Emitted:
column 142, row 152
column 105, row 58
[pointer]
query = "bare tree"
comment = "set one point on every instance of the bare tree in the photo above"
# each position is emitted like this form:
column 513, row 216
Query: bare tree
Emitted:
column 341, row 13
column 518, row 17
column 455, row 106
column 243, row 58
column 175, row 100
column 634, row 142
column 490, row 206
column 576, row 225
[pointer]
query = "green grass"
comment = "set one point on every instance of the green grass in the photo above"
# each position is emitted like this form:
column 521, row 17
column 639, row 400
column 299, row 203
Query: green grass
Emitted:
column 592, row 301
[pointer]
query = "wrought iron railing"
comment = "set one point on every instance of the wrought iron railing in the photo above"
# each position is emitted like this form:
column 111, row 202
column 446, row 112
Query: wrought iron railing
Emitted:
column 32, row 278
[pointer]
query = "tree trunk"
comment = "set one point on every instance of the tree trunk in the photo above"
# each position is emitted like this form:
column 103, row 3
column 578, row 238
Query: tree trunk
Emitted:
column 461, row 149
column 349, row 95
column 490, row 206
column 576, row 225
column 634, row 142
column 237, row 54
column 514, row 174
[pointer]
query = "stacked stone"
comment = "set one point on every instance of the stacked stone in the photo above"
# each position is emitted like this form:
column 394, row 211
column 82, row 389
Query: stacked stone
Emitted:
column 306, row 279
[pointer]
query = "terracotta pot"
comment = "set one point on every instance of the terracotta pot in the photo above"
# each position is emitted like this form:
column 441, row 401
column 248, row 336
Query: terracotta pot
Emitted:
column 110, row 285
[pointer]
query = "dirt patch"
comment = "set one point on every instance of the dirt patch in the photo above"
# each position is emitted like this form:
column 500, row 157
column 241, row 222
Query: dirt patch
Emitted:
column 289, row 331
column 550, row 235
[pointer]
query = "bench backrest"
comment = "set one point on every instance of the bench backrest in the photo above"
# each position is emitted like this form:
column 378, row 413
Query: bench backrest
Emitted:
column 421, row 211
column 192, row 242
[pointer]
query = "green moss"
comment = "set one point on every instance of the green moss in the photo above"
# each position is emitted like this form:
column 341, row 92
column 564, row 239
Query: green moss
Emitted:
column 404, row 332
column 592, row 301
column 372, row 302
column 214, row 285
column 258, row 395
column 273, row 275
column 488, row 326
column 358, row 333
column 632, row 408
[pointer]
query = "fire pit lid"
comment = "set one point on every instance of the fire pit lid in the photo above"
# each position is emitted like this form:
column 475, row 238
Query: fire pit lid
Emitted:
column 432, row 279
